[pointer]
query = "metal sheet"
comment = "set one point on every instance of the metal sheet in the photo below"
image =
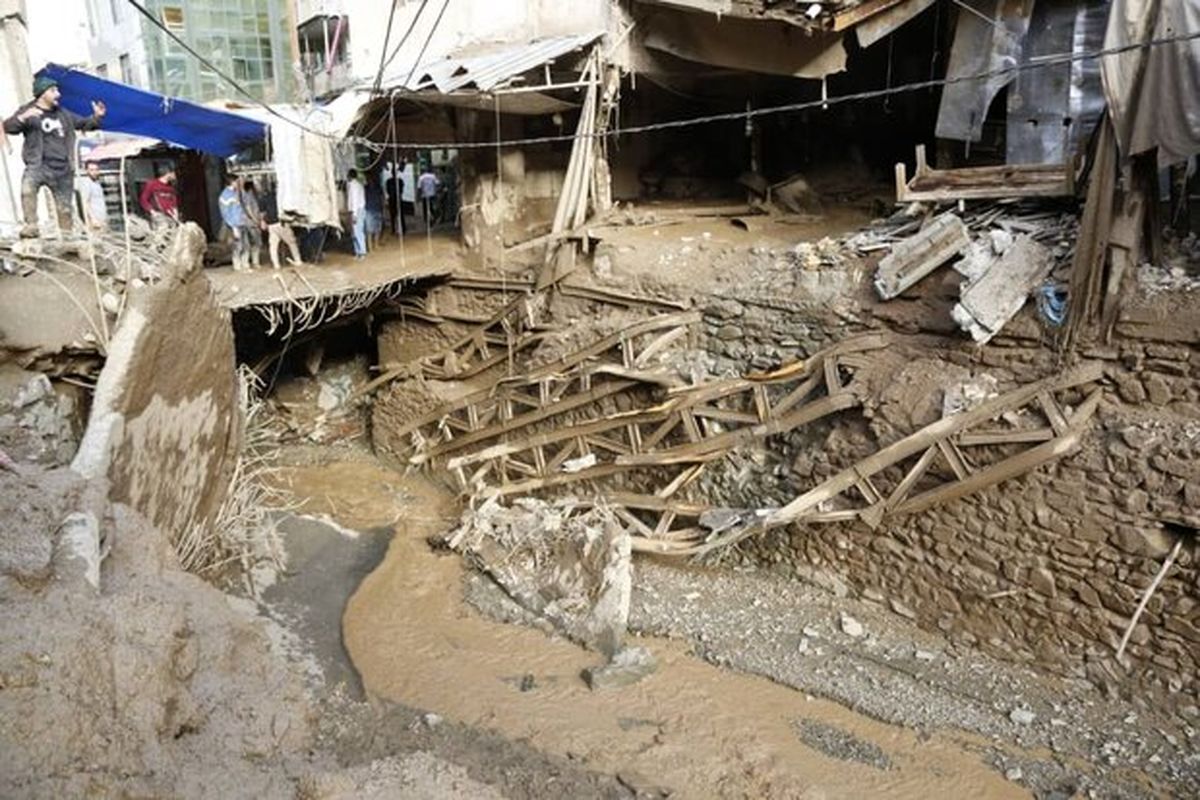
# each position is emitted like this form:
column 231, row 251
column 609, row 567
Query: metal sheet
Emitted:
column 125, row 147
column 486, row 71
column 984, row 42
column 1039, row 100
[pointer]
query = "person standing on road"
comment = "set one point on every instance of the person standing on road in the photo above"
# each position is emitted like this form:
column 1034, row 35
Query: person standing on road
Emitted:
column 49, row 151
column 234, row 217
column 278, row 232
column 254, row 223
column 95, row 207
column 356, row 204
column 159, row 199
column 374, row 201
column 427, row 186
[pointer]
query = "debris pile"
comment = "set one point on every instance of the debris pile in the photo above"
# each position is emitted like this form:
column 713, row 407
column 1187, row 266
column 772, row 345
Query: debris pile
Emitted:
column 1008, row 252
column 565, row 563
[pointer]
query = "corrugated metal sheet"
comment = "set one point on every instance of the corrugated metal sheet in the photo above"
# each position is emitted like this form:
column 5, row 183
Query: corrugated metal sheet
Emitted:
column 487, row 71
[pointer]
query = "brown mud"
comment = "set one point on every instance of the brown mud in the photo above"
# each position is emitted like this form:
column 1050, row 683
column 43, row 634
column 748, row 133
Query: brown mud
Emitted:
column 693, row 728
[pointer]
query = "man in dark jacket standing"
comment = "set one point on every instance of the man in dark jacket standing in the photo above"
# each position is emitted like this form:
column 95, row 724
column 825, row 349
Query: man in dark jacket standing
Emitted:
column 49, row 151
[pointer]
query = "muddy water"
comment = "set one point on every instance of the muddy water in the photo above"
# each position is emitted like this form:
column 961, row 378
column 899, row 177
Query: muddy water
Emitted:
column 692, row 727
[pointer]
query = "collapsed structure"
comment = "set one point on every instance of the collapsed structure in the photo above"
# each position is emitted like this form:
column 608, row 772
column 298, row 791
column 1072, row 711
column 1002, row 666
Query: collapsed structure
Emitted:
column 978, row 406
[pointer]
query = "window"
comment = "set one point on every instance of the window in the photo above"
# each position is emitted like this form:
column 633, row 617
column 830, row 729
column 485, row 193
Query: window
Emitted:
column 115, row 6
column 172, row 17
column 127, row 70
column 102, row 70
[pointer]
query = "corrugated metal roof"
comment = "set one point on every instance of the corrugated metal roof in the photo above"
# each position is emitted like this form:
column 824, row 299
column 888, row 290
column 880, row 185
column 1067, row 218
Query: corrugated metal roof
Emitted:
column 491, row 70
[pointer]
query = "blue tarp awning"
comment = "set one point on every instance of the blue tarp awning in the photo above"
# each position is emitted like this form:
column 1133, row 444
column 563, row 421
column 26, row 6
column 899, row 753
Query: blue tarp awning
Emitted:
column 132, row 110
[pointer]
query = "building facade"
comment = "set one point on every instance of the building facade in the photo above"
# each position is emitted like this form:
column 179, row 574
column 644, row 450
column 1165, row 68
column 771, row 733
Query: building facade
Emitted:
column 249, row 40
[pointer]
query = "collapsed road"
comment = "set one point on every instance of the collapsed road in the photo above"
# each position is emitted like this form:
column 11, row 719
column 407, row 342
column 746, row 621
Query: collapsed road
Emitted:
column 658, row 402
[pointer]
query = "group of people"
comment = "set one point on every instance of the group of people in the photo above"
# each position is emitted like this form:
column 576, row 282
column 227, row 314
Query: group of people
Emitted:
column 247, row 216
column 368, row 205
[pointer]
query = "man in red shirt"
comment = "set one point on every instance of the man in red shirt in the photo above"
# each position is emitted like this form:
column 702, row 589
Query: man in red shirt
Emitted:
column 160, row 200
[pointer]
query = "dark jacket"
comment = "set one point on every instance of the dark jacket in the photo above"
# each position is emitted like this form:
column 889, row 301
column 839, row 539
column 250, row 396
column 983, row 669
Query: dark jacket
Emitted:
column 49, row 138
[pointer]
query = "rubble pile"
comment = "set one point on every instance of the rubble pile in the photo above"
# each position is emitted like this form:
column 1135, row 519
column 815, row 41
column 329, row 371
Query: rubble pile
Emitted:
column 566, row 564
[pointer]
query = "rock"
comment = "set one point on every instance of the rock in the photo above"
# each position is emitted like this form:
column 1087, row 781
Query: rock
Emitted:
column 925, row 655
column 1129, row 388
column 1157, row 389
column 625, row 669
column 1022, row 716
column 1014, row 774
column 852, row 627
column 902, row 609
column 1042, row 582
column 431, row 720
column 727, row 333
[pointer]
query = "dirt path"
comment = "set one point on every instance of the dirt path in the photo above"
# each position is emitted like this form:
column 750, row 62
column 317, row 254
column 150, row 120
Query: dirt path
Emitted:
column 692, row 727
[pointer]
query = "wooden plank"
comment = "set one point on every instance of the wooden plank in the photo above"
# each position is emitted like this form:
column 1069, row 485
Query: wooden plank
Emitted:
column 1053, row 413
column 1009, row 467
column 954, row 459
column 980, row 438
column 843, row 20
column 931, row 434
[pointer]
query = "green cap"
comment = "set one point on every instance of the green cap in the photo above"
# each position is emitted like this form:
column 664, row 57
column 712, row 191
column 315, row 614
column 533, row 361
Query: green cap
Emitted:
column 41, row 84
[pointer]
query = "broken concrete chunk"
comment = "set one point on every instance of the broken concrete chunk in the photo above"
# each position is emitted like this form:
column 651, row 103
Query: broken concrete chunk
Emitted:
column 917, row 256
column 993, row 298
column 625, row 669
column 568, row 565
column 852, row 627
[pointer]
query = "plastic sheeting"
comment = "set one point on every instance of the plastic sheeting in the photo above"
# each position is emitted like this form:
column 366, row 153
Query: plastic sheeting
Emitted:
column 132, row 110
column 1162, row 110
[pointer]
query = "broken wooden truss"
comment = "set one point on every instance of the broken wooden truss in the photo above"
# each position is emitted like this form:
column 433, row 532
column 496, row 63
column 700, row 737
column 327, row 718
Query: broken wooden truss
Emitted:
column 899, row 479
column 612, row 408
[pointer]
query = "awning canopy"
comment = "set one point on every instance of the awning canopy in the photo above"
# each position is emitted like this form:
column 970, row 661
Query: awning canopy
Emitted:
column 124, row 147
column 137, row 111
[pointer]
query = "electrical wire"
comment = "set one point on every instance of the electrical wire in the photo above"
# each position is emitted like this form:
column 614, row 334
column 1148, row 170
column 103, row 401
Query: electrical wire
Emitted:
column 407, row 33
column 432, row 30
column 387, row 36
column 731, row 116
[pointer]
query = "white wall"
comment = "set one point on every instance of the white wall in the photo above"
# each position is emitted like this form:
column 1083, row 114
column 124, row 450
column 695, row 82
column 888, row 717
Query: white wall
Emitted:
column 58, row 32
column 114, row 39
column 465, row 22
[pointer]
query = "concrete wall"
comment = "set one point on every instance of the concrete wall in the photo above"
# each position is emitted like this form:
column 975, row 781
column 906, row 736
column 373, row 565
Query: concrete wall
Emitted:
column 165, row 420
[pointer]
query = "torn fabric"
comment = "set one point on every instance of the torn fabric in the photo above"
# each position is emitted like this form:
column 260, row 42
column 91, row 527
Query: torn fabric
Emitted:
column 1161, row 108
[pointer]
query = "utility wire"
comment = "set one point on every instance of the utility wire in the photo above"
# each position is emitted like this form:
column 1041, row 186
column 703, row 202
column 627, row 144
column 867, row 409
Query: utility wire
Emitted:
column 387, row 36
column 731, row 116
column 432, row 30
column 407, row 33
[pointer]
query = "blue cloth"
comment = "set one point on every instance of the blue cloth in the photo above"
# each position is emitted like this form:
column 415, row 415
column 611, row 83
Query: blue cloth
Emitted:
column 232, row 212
column 1052, row 302
column 132, row 110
